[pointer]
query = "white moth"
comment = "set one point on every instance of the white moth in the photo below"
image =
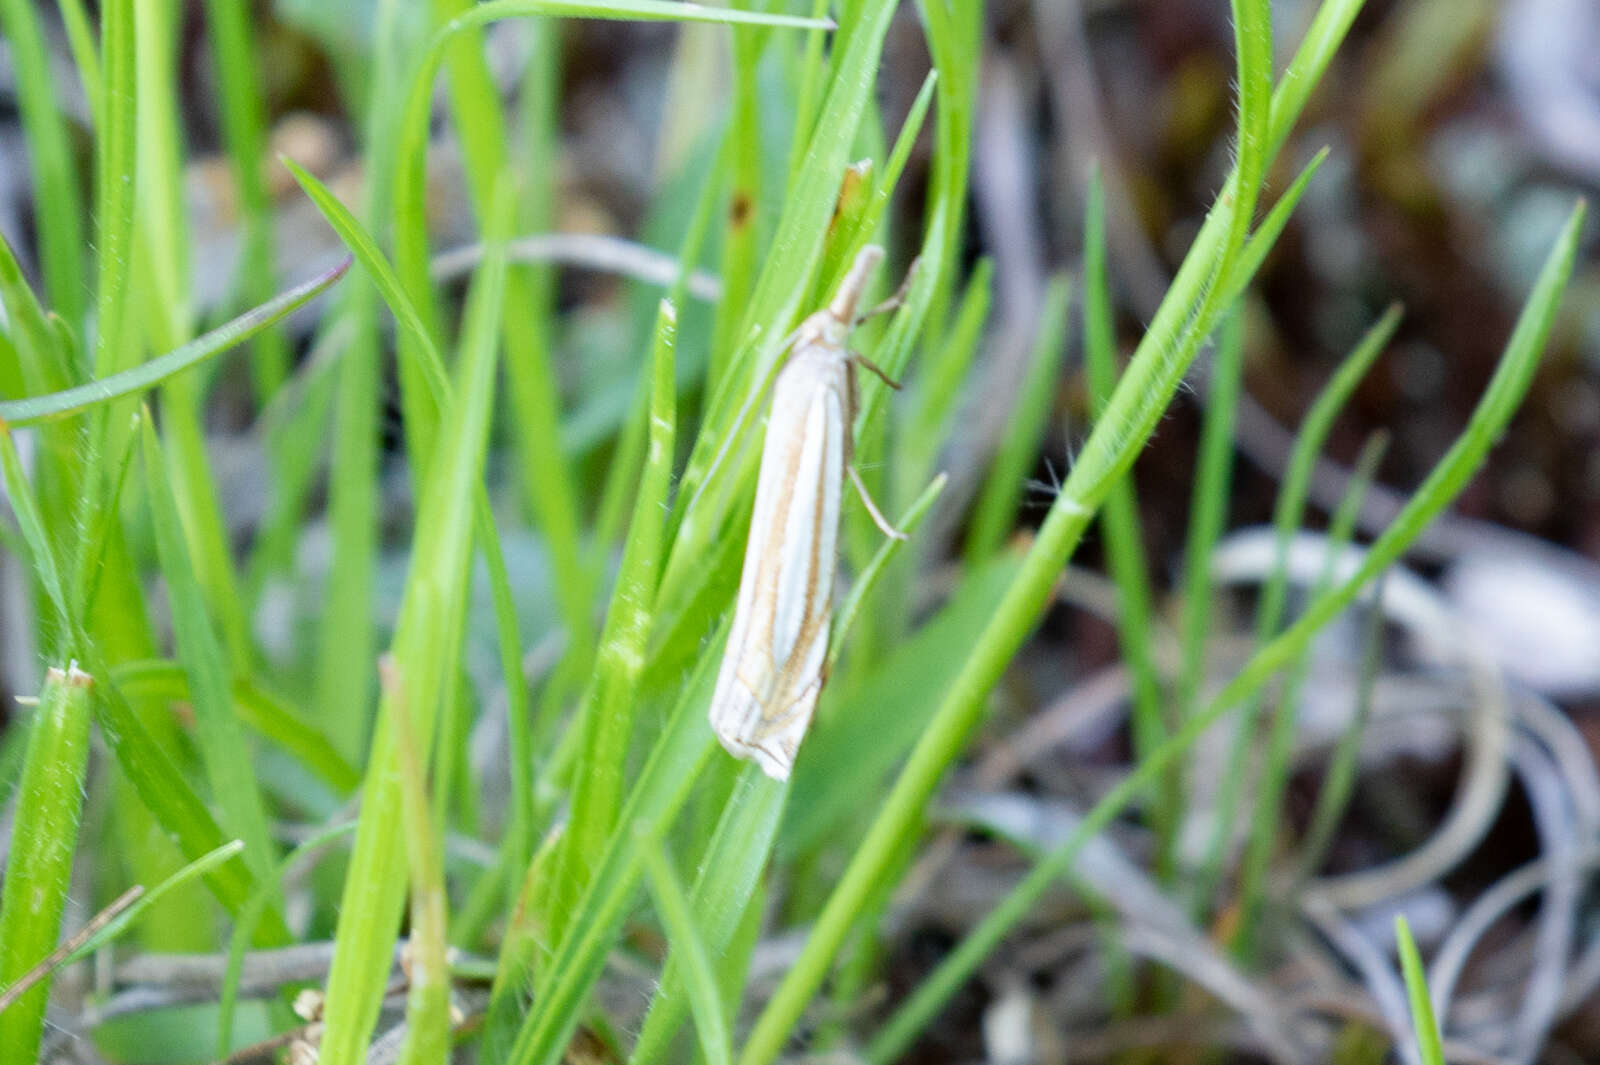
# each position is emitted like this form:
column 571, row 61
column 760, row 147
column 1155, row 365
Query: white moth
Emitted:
column 776, row 659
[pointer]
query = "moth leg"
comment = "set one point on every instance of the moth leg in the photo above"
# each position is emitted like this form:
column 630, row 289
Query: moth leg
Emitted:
column 872, row 508
column 894, row 301
column 878, row 371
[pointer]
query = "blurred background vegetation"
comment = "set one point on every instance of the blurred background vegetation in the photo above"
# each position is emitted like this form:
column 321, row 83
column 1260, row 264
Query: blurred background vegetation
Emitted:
column 1459, row 134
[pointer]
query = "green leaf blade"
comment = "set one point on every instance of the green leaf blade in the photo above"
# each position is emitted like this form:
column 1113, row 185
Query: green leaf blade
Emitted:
column 44, row 837
column 147, row 375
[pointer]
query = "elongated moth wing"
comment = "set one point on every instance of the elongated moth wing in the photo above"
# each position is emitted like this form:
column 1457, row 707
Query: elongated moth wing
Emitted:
column 773, row 668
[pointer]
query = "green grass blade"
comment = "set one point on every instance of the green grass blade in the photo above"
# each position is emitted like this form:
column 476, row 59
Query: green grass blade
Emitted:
column 163, row 315
column 44, row 836
column 996, row 507
column 85, row 54
column 729, row 878
column 347, row 630
column 1287, row 515
column 937, row 390
column 195, row 492
column 424, row 358
column 238, row 75
column 1252, row 38
column 165, row 791
column 161, row 231
column 41, row 362
column 1315, row 427
column 244, row 928
column 426, row 645
column 116, row 168
column 955, row 36
column 190, row 872
column 347, row 639
column 689, row 950
column 663, row 786
column 147, row 375
column 628, row 456
column 1266, row 234
column 1160, row 359
column 680, row 626
column 741, row 149
column 547, row 479
column 58, row 198
column 1339, row 780
column 1310, row 61
column 31, row 524
column 295, row 426
column 811, row 64
column 1430, row 1045
column 517, row 842
column 97, row 537
column 223, row 751
column 428, row 997
column 1119, row 515
column 1208, row 506
column 277, row 720
column 900, row 154
column 524, row 944
column 1500, row 400
column 365, row 250
column 474, row 104
column 610, row 706
column 1266, row 815
column 268, row 715
column 11, row 383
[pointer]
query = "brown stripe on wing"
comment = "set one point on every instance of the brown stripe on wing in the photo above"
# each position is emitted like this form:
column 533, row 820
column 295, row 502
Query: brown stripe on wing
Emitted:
column 793, row 672
column 772, row 558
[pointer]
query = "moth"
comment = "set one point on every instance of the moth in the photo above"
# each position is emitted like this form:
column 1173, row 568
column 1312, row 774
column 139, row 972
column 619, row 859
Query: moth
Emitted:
column 776, row 657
